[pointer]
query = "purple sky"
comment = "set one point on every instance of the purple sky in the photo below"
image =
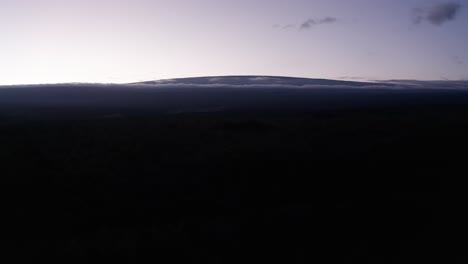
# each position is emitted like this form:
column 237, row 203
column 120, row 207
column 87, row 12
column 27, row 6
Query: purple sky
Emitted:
column 55, row 41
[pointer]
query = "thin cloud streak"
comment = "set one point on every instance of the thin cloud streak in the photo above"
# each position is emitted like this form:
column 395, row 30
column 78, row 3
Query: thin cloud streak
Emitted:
column 436, row 15
column 309, row 23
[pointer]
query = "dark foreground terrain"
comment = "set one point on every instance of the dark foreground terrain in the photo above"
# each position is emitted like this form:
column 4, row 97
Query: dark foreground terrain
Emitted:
column 361, row 184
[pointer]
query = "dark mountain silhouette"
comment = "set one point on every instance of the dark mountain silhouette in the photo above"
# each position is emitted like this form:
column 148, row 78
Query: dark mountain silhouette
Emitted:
column 218, row 94
column 235, row 169
column 256, row 80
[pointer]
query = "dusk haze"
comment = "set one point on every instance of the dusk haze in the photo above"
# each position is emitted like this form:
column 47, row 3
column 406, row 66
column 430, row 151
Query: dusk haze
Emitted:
column 120, row 41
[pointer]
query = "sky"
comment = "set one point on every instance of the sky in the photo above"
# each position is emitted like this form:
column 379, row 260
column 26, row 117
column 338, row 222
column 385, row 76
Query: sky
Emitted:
column 120, row 41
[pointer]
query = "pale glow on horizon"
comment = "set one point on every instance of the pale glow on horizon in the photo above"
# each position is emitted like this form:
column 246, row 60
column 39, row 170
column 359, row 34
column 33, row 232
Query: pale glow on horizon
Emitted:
column 119, row 41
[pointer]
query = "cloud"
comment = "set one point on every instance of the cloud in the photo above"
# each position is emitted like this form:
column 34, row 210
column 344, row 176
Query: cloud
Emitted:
column 444, row 12
column 438, row 14
column 309, row 23
column 388, row 85
column 284, row 27
column 417, row 15
column 215, row 79
column 328, row 20
column 233, row 82
column 263, row 79
column 458, row 60
column 97, row 89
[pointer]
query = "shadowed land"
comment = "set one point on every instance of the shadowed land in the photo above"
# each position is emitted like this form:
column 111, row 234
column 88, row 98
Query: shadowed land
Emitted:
column 352, row 176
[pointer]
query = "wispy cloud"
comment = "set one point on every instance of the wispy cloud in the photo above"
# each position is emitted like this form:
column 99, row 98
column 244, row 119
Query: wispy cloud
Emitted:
column 458, row 60
column 309, row 23
column 438, row 14
column 285, row 27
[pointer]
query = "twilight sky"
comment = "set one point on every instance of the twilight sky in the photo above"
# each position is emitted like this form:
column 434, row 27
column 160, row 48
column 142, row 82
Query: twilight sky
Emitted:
column 56, row 41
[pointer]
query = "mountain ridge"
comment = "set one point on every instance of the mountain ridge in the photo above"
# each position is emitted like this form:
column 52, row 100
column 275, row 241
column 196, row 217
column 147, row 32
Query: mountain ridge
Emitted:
column 254, row 80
